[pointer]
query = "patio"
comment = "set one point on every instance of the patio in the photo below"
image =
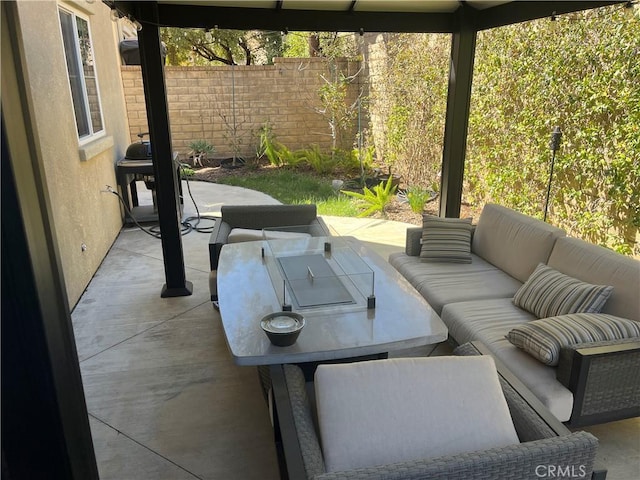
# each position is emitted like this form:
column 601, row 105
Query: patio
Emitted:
column 165, row 400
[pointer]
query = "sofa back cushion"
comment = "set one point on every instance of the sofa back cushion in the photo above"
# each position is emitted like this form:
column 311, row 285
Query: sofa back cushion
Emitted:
column 387, row 411
column 598, row 265
column 512, row 241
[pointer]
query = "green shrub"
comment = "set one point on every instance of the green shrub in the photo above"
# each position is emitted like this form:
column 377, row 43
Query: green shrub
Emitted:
column 201, row 147
column 186, row 171
column 320, row 162
column 580, row 73
column 375, row 199
column 527, row 80
column 417, row 197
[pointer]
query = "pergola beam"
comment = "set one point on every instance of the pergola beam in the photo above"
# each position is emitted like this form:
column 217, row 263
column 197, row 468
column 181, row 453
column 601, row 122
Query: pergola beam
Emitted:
column 508, row 13
column 243, row 18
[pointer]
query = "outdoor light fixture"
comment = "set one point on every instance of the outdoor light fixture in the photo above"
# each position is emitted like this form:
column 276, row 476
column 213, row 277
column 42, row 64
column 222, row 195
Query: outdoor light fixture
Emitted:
column 554, row 145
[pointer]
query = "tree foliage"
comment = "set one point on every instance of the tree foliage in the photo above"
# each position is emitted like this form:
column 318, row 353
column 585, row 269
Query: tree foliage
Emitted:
column 319, row 44
column 408, row 98
column 188, row 46
column 581, row 73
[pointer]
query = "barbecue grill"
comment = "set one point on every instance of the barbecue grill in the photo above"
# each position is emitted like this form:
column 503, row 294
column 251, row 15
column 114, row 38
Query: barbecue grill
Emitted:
column 137, row 165
column 139, row 150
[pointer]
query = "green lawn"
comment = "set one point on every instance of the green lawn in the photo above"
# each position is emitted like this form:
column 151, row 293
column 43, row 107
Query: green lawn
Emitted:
column 293, row 187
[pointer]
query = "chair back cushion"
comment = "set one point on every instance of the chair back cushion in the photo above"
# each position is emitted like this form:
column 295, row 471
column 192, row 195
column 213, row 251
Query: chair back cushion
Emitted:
column 263, row 216
column 238, row 235
column 387, row 411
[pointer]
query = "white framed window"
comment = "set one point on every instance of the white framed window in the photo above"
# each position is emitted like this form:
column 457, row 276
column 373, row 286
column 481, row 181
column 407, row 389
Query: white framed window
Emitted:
column 83, row 80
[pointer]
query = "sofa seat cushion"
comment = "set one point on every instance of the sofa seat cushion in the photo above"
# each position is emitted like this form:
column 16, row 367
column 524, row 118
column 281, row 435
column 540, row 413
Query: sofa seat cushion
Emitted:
column 442, row 289
column 489, row 321
column 493, row 317
column 543, row 339
column 442, row 283
column 411, row 267
column 249, row 235
column 387, row 411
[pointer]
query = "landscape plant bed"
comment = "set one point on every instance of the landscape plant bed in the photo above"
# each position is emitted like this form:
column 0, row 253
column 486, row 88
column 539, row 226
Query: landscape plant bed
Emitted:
column 397, row 210
column 206, row 162
column 230, row 164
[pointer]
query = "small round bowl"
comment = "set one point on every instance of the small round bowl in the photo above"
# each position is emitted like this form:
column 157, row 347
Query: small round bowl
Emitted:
column 282, row 328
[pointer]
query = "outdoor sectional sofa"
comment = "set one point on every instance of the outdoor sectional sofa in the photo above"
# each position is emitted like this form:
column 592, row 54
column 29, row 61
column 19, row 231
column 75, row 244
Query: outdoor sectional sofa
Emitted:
column 592, row 382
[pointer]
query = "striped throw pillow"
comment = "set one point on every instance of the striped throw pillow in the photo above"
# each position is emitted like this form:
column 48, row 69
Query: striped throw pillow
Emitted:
column 548, row 293
column 543, row 339
column 445, row 239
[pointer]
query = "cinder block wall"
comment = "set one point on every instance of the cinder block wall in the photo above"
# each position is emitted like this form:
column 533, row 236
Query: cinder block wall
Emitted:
column 201, row 103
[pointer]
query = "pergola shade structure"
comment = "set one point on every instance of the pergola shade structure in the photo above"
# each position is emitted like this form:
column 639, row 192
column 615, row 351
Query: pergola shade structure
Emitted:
column 462, row 19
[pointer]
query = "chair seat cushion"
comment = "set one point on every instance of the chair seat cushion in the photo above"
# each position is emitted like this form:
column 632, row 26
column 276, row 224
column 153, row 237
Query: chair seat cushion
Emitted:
column 387, row 411
column 238, row 235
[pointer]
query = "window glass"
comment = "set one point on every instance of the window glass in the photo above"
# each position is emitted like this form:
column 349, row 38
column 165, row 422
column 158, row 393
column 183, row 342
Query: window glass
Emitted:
column 82, row 76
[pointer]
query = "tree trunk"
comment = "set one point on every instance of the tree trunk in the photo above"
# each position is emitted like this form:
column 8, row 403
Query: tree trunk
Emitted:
column 314, row 45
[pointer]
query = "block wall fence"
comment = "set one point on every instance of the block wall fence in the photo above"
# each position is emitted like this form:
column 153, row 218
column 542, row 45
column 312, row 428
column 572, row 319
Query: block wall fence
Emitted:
column 201, row 104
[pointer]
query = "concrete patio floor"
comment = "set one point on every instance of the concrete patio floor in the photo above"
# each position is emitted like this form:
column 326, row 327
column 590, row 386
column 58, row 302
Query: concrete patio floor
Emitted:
column 165, row 400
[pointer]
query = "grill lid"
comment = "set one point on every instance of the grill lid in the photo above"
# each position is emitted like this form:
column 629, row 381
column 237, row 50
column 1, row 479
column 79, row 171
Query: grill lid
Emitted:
column 139, row 150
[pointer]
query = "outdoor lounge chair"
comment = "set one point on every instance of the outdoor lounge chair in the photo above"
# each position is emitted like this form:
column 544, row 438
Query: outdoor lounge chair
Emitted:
column 543, row 444
column 257, row 217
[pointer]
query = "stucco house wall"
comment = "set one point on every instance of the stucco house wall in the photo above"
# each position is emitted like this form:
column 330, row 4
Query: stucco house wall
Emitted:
column 75, row 173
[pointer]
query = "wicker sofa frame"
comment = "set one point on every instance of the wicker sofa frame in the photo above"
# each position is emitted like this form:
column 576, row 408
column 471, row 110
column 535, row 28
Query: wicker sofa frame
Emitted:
column 604, row 379
column 544, row 440
column 257, row 217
